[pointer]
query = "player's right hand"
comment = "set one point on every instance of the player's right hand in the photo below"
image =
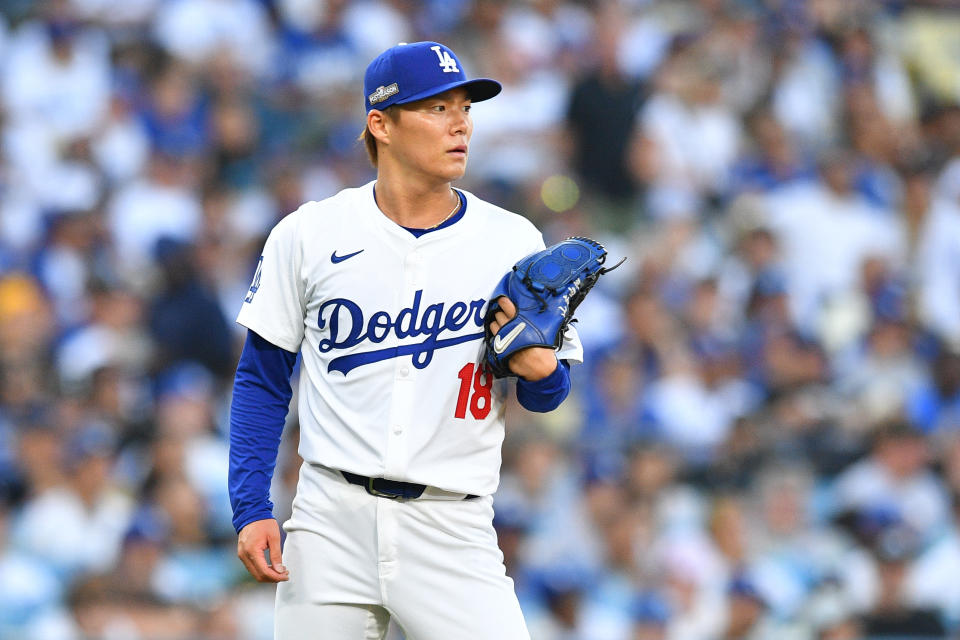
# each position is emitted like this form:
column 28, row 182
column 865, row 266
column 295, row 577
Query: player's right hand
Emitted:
column 532, row 363
column 254, row 539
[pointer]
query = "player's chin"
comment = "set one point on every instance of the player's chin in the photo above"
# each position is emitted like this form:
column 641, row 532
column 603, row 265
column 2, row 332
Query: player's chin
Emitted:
column 455, row 171
column 458, row 163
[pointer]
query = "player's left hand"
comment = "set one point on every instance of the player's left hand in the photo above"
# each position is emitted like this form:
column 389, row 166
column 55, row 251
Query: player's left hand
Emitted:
column 256, row 542
column 532, row 363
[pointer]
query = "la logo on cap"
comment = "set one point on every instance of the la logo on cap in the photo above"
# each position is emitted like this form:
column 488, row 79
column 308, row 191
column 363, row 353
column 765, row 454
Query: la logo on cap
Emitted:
column 406, row 73
column 447, row 63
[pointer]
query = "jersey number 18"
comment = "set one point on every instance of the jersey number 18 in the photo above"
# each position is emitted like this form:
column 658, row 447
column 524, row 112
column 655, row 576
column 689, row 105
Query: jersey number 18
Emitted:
column 482, row 383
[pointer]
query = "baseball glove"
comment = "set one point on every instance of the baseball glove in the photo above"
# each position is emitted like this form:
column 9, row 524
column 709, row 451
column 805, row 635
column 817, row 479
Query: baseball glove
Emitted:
column 546, row 287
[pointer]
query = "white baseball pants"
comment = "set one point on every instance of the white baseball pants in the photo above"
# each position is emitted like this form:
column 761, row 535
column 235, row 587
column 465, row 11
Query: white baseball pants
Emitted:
column 356, row 560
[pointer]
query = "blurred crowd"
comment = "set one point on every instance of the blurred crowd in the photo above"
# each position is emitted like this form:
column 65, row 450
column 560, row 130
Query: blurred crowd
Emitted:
column 764, row 441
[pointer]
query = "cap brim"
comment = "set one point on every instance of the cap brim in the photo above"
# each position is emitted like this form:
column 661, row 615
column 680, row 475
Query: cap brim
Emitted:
column 479, row 89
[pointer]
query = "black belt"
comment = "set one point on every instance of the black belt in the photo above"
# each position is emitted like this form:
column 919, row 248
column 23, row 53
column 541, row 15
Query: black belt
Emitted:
column 391, row 489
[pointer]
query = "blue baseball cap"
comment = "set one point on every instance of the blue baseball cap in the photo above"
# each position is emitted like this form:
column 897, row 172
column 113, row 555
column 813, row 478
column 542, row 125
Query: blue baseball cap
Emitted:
column 418, row 70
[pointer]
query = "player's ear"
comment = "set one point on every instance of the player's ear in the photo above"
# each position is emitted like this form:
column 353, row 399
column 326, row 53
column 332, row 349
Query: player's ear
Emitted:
column 377, row 124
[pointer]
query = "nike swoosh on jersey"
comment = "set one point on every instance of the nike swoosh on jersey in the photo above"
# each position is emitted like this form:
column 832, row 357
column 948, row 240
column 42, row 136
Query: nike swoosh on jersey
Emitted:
column 334, row 258
column 499, row 346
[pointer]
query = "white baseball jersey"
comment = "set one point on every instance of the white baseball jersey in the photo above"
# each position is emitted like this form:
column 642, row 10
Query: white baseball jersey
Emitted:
column 390, row 328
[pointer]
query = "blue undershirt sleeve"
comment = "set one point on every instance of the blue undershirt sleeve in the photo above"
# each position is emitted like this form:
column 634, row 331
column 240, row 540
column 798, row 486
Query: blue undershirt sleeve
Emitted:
column 546, row 394
column 261, row 397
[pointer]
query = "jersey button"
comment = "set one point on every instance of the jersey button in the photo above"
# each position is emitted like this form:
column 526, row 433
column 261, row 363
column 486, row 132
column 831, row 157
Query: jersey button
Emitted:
column 404, row 371
column 397, row 429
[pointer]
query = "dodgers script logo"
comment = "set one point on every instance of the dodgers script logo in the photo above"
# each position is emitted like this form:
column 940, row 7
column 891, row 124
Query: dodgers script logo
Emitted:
column 348, row 328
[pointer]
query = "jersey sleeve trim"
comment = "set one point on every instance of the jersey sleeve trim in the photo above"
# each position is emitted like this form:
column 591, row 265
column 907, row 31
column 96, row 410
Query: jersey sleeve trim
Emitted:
column 270, row 336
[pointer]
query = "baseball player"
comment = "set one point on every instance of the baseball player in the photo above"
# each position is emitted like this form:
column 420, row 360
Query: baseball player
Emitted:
column 383, row 291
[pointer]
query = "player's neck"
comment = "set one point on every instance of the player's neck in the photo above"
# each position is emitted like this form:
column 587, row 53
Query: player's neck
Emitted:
column 415, row 206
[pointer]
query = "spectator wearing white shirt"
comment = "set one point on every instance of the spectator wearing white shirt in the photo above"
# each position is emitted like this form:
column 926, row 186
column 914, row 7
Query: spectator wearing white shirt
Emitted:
column 794, row 552
column 63, row 265
column 688, row 137
column 371, row 23
column 196, row 30
column 827, row 230
column 686, row 411
column 896, row 480
column 938, row 266
column 805, row 91
column 57, row 72
column 121, row 146
column 78, row 527
column 30, row 594
column 111, row 336
column 162, row 204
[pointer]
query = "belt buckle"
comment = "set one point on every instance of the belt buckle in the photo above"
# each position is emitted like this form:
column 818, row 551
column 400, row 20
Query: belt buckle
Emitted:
column 378, row 493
